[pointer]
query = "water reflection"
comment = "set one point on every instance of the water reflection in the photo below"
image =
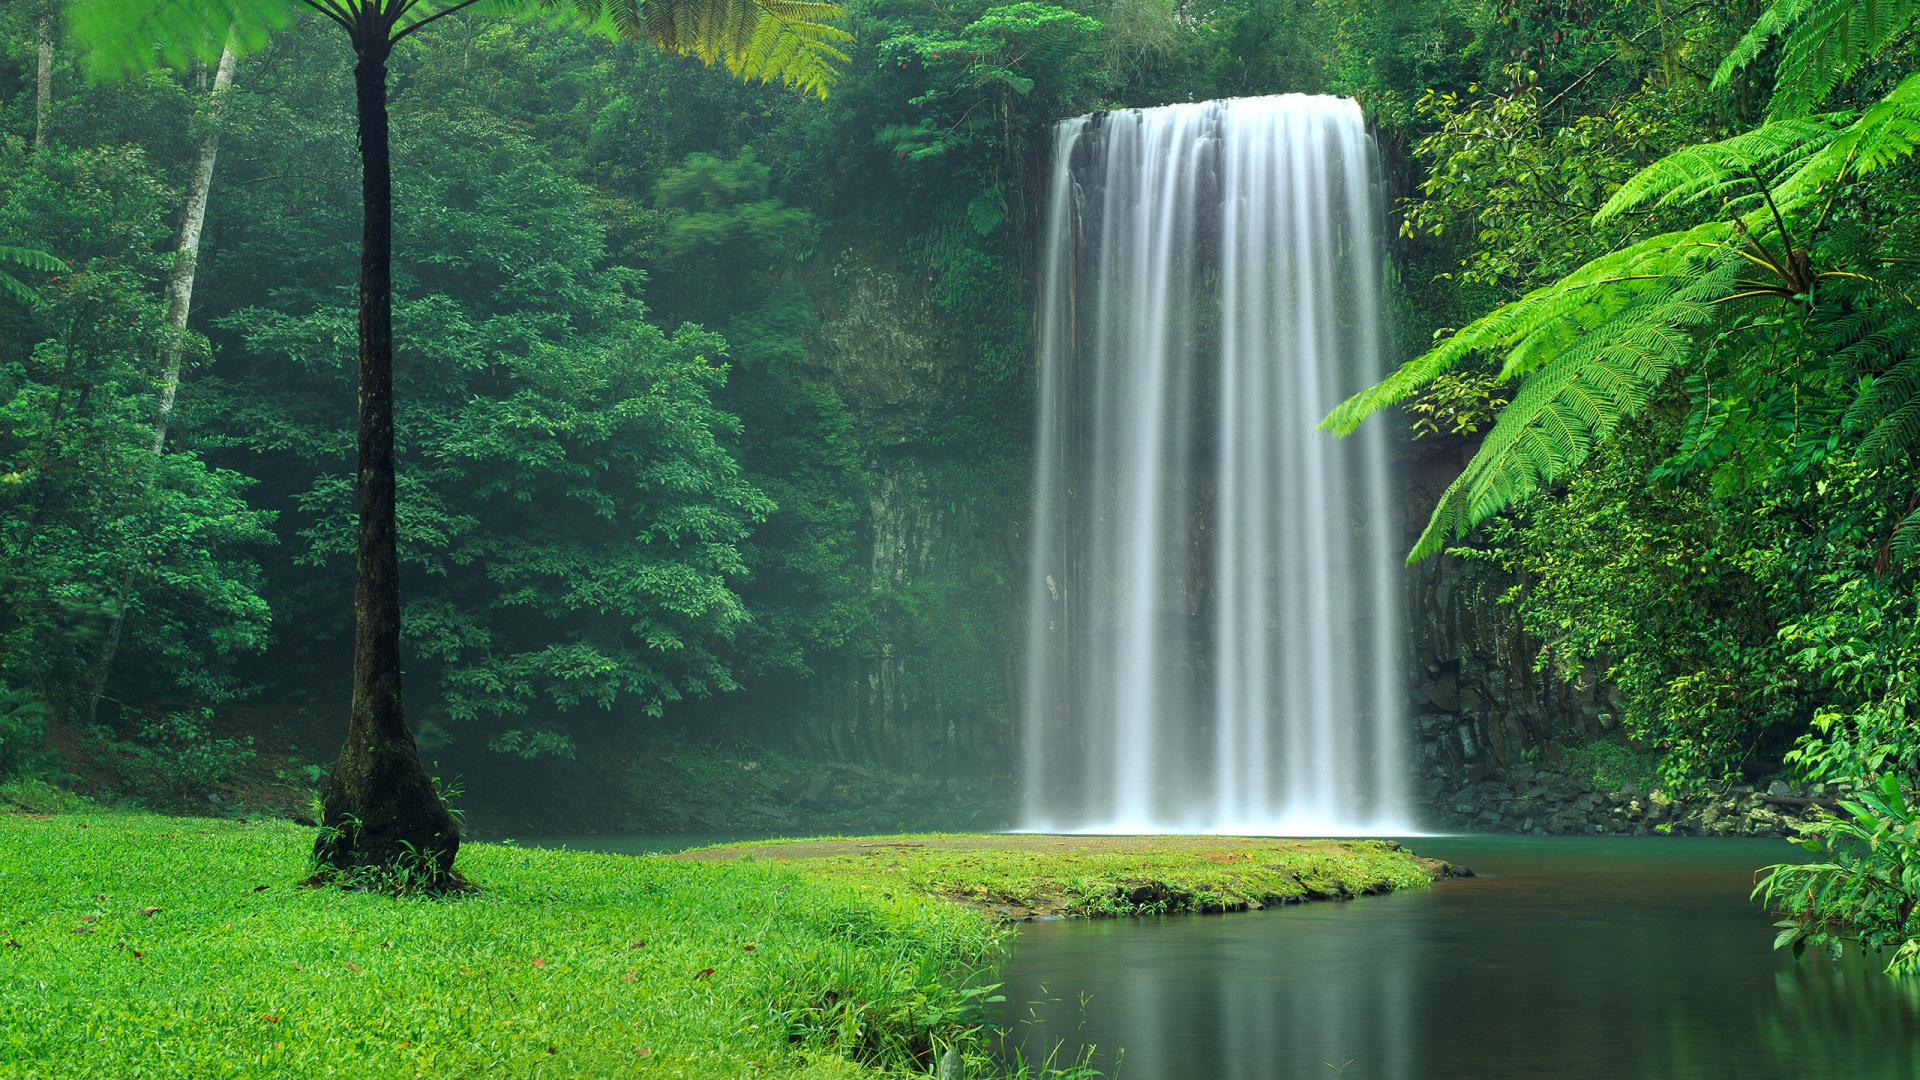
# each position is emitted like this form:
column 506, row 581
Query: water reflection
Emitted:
column 1568, row 958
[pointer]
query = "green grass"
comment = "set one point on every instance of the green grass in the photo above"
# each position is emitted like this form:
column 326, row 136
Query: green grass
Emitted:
column 749, row 969
column 139, row 947
column 1018, row 876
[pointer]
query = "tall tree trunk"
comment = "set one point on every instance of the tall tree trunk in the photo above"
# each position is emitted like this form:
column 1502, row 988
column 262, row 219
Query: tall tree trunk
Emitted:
column 187, row 257
column 43, row 83
column 179, row 299
column 380, row 807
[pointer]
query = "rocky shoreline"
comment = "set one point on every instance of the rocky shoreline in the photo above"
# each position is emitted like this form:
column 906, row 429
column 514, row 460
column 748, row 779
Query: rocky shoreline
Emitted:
column 1545, row 803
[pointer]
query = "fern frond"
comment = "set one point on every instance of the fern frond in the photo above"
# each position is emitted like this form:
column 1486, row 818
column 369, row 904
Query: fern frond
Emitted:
column 12, row 287
column 1579, row 398
column 1777, row 19
column 1906, row 537
column 122, row 37
column 1888, row 405
column 1531, row 330
column 31, row 259
column 1695, row 172
column 1824, row 42
column 1884, row 134
column 792, row 41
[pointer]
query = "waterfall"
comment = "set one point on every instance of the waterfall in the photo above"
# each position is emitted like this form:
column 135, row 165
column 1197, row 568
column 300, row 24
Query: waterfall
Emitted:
column 1213, row 638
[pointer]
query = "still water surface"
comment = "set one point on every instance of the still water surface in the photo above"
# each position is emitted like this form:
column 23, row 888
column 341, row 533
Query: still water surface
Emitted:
column 1567, row 958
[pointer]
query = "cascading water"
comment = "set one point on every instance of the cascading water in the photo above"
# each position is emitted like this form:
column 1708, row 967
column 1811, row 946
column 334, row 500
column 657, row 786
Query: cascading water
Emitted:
column 1213, row 641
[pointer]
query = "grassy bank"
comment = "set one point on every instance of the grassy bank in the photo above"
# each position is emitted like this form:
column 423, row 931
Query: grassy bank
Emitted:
column 134, row 945
column 1021, row 877
column 140, row 946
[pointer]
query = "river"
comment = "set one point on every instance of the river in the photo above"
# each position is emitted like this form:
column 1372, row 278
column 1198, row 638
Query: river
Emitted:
column 1565, row 958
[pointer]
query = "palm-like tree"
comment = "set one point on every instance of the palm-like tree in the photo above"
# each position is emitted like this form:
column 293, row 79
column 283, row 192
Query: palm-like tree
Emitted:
column 381, row 809
column 1593, row 349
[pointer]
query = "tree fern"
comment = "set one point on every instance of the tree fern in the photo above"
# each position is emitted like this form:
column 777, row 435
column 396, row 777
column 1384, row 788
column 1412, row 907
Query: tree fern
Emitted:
column 1823, row 43
column 791, row 41
column 1588, row 344
column 1580, row 397
column 1531, row 330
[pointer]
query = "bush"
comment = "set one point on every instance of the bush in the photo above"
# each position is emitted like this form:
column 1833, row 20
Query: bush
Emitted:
column 23, row 735
column 1865, row 887
column 174, row 752
column 1613, row 765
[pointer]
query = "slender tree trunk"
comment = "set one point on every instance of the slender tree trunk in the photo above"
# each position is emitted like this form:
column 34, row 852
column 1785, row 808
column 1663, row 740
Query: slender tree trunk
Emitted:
column 179, row 299
column 43, row 83
column 187, row 257
column 380, row 807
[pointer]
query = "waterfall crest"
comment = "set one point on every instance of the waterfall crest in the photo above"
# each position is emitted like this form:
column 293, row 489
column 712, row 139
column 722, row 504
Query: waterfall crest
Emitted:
column 1213, row 638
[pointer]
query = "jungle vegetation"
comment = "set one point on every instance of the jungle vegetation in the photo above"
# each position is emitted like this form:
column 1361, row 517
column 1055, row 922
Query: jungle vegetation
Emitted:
column 1655, row 260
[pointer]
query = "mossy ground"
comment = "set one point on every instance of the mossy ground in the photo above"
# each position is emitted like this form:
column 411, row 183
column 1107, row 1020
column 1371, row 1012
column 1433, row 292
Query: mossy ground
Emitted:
column 139, row 946
column 1025, row 876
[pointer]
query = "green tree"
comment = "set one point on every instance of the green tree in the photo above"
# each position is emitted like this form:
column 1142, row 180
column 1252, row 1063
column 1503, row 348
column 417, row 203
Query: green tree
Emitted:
column 572, row 509
column 85, row 504
column 381, row 809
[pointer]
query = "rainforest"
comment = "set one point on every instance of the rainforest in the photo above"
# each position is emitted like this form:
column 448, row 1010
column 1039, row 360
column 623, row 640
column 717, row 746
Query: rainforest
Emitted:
column 1162, row 538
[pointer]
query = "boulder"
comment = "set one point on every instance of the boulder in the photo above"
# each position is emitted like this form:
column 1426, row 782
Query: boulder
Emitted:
column 818, row 794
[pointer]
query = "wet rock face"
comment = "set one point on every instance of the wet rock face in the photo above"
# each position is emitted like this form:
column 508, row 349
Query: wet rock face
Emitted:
column 1479, row 706
column 927, row 686
column 1527, row 799
column 1487, row 726
column 881, row 347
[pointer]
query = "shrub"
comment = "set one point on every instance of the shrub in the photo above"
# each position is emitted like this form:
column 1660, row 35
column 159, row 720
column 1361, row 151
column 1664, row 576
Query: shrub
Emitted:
column 23, row 737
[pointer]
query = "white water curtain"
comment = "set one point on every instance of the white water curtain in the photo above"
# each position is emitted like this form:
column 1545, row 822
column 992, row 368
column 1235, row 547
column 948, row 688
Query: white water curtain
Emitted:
column 1213, row 626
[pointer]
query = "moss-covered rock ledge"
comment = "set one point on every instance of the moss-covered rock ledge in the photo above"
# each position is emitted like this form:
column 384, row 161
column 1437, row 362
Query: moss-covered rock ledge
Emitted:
column 1018, row 877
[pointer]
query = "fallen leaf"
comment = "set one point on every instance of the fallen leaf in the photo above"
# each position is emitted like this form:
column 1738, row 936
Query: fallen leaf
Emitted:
column 537, row 962
column 404, row 1042
column 467, row 973
column 137, row 954
column 643, row 1051
column 749, row 948
column 149, row 912
column 12, row 944
column 704, row 972
column 639, row 944
column 628, row 977
column 259, row 888
column 272, row 1018
column 355, row 968
column 551, row 1050
column 88, row 918
column 297, row 967
column 83, row 929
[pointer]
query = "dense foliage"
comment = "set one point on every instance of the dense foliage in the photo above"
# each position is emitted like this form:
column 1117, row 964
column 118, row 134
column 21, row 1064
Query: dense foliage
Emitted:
column 1705, row 473
column 1664, row 253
